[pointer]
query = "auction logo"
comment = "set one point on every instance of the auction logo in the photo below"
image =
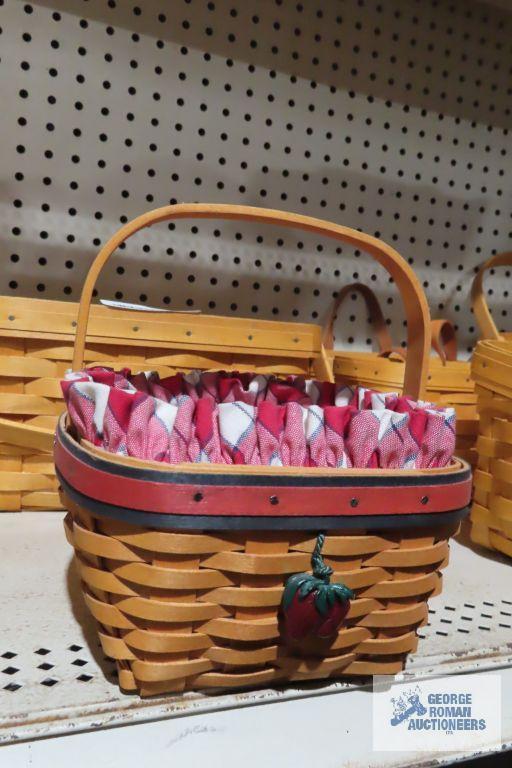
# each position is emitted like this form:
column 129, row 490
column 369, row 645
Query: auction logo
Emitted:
column 445, row 711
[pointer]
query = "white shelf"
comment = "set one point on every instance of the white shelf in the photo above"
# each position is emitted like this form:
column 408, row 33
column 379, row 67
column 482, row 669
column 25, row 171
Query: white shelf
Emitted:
column 58, row 682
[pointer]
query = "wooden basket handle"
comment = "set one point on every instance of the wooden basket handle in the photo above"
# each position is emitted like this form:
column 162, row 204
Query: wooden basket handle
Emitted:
column 488, row 328
column 375, row 314
column 413, row 297
column 444, row 340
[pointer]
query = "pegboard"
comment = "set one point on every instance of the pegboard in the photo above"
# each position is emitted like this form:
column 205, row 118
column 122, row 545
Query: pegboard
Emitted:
column 392, row 117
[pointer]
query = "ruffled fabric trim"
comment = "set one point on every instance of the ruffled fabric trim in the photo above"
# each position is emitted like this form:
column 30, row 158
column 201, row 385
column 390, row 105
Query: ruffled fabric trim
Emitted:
column 242, row 418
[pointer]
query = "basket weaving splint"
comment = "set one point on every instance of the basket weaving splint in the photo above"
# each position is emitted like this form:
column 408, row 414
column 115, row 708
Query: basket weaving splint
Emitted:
column 449, row 381
column 491, row 513
column 184, row 565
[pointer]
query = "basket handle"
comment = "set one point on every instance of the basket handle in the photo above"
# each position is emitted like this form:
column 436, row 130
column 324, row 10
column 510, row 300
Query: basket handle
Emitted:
column 488, row 328
column 375, row 314
column 413, row 297
column 444, row 340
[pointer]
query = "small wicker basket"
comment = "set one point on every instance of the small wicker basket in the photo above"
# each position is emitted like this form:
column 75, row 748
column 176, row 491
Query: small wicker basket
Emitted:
column 183, row 566
column 491, row 514
column 449, row 380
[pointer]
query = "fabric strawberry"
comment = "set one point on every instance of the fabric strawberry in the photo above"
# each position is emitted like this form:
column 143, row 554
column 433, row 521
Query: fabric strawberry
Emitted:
column 311, row 605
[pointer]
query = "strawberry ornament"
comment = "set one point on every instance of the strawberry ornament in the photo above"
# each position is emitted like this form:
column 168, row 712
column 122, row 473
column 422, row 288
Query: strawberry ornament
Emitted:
column 311, row 605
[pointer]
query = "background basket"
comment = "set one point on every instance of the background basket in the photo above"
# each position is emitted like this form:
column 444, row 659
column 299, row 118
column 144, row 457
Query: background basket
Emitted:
column 37, row 348
column 449, row 380
column 491, row 514
column 192, row 609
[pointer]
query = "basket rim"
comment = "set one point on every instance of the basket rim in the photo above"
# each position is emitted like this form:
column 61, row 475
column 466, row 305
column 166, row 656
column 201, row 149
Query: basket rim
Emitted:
column 226, row 500
column 246, row 474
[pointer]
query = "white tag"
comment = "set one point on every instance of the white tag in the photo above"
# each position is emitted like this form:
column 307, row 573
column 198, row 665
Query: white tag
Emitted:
column 144, row 308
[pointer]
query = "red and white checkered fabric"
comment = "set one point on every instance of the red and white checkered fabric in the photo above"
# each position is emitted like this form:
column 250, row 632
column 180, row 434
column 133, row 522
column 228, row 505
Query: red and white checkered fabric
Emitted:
column 233, row 418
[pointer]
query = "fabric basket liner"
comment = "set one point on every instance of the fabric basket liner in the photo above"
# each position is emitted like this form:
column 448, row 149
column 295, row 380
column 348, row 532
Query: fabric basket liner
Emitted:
column 252, row 419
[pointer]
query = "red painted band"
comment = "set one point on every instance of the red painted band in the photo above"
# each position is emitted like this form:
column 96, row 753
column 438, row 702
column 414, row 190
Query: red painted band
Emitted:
column 229, row 500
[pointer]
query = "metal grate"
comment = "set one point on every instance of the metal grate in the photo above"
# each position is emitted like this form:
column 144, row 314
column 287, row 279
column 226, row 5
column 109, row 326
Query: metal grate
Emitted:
column 469, row 618
column 64, row 667
column 391, row 117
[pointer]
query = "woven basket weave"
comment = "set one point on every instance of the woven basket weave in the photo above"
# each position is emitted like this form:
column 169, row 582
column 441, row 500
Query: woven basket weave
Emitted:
column 192, row 602
column 449, row 380
column 36, row 349
column 181, row 611
column 491, row 514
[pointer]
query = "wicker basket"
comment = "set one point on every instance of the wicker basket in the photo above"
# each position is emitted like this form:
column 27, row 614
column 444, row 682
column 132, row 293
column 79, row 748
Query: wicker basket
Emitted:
column 183, row 565
column 37, row 348
column 491, row 514
column 449, row 380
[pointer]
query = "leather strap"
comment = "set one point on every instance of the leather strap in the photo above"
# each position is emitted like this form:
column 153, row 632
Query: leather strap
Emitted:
column 488, row 329
column 413, row 296
column 380, row 329
column 444, row 340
